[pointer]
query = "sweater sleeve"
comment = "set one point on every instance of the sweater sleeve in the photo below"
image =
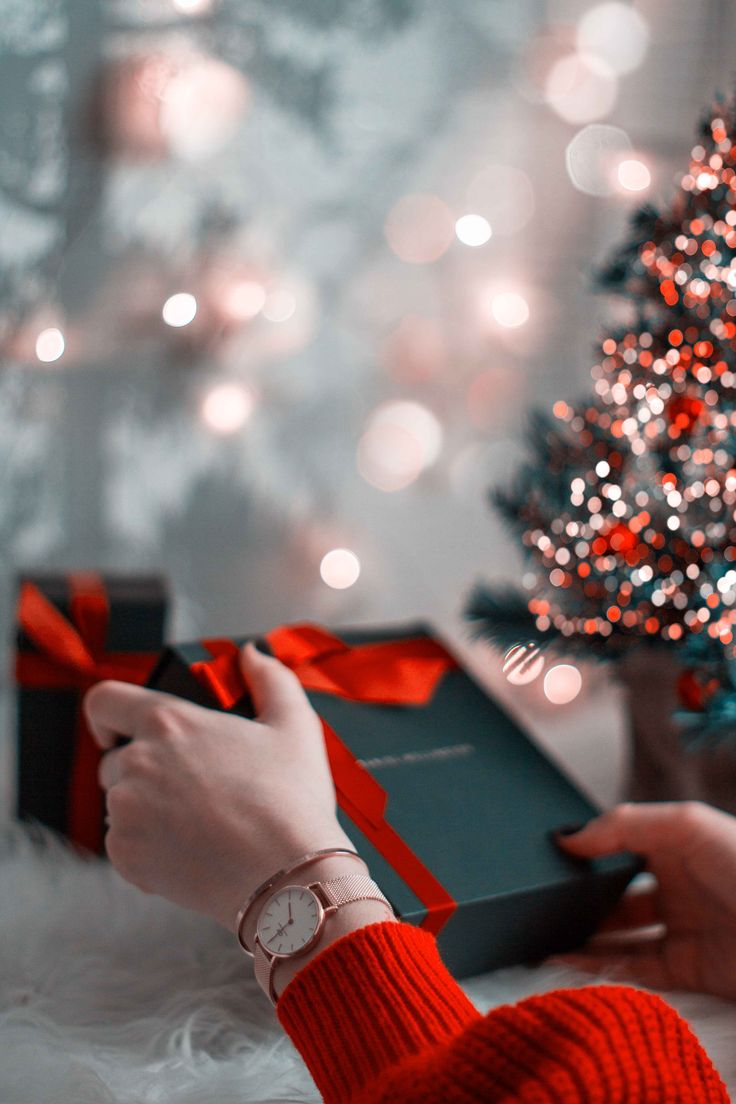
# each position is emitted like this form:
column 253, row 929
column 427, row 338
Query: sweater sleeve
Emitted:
column 378, row 1018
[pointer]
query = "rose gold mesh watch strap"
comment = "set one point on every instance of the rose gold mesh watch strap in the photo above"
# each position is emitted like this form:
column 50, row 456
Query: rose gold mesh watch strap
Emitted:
column 336, row 892
column 262, row 965
column 352, row 887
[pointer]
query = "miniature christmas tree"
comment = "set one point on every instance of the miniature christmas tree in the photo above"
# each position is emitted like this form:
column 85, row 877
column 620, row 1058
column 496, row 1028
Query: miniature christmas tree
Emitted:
column 625, row 508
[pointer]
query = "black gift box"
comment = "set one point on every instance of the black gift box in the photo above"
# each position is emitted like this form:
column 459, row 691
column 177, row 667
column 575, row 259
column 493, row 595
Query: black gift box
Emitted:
column 474, row 798
column 47, row 718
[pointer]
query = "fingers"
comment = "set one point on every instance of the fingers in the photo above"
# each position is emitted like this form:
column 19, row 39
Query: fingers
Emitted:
column 634, row 910
column 277, row 693
column 115, row 709
column 118, row 709
column 647, row 829
column 110, row 770
column 136, row 761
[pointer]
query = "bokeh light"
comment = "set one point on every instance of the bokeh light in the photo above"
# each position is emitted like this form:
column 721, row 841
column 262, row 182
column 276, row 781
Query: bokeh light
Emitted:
column 244, row 300
column 179, row 309
column 522, row 664
column 192, row 7
column 227, row 407
column 50, row 345
column 504, row 196
column 292, row 311
column 340, row 568
column 202, row 103
column 580, row 88
column 509, row 309
column 633, row 175
column 593, row 156
column 401, row 440
column 419, row 228
column 615, row 33
column 473, row 230
column 280, row 305
column 172, row 101
column 417, row 420
column 389, row 457
column 562, row 683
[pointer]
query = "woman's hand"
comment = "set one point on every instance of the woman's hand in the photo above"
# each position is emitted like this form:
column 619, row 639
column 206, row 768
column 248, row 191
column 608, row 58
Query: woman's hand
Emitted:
column 691, row 850
column 204, row 806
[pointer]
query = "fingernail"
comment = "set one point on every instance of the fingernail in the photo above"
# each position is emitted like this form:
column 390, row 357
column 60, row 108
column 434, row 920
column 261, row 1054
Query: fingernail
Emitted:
column 568, row 829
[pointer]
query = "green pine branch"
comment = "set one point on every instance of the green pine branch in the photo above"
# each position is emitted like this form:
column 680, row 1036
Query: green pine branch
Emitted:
column 501, row 616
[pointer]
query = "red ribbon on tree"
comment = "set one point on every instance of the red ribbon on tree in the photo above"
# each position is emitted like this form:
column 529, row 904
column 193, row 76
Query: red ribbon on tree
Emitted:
column 72, row 656
column 395, row 672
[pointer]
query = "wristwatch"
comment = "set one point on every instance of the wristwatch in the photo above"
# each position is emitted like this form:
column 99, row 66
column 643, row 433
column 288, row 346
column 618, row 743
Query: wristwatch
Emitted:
column 291, row 919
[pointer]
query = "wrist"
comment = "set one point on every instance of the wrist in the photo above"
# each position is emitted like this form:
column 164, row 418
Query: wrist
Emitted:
column 319, row 870
column 347, row 918
column 278, row 857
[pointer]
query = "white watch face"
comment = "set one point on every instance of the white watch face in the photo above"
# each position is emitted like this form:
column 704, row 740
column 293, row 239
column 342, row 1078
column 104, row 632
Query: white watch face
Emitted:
column 290, row 920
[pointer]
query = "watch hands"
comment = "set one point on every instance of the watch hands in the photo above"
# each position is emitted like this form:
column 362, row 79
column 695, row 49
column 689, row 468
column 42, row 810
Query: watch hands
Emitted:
column 281, row 930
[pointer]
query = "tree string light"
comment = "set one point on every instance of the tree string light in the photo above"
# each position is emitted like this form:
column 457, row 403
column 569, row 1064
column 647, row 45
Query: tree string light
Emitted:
column 628, row 509
column 227, row 407
column 510, row 309
column 522, row 664
column 473, row 230
column 179, row 309
column 633, row 175
column 340, row 568
column 50, row 345
column 562, row 683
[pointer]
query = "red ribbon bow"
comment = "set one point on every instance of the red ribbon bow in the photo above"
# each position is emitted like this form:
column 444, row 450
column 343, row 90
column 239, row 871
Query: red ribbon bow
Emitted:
column 72, row 657
column 397, row 672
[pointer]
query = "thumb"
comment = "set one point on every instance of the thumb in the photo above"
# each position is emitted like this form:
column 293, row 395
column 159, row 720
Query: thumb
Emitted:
column 277, row 694
column 645, row 829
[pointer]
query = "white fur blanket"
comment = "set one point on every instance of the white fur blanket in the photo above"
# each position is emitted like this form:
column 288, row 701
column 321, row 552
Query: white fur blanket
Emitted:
column 109, row 996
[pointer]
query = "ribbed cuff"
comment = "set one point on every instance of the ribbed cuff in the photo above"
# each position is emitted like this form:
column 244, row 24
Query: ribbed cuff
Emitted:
column 372, row 998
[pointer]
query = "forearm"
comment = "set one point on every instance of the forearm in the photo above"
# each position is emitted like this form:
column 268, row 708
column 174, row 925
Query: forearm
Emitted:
column 378, row 1019
column 373, row 1000
column 348, row 918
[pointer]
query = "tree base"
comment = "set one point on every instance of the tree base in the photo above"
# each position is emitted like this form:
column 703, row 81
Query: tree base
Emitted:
column 661, row 766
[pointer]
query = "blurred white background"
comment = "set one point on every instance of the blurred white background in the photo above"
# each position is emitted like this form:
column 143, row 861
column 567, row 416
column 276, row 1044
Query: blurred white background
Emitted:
column 280, row 279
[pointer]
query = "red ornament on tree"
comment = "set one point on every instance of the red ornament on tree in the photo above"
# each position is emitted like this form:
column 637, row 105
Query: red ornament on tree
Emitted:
column 684, row 411
column 616, row 538
column 695, row 689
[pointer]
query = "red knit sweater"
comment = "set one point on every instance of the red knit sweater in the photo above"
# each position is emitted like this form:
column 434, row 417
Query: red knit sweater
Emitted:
column 378, row 1018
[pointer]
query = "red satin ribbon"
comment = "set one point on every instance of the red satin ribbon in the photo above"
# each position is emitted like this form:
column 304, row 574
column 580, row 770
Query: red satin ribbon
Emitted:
column 72, row 657
column 399, row 672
